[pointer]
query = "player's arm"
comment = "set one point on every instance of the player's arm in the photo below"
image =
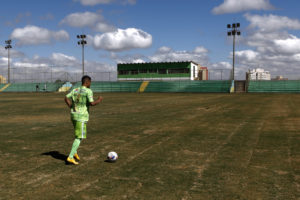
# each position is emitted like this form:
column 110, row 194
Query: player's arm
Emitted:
column 68, row 102
column 91, row 100
column 67, row 99
column 97, row 101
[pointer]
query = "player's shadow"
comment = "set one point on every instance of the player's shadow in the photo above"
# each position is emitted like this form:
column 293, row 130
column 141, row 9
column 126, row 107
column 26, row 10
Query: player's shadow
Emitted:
column 109, row 161
column 57, row 155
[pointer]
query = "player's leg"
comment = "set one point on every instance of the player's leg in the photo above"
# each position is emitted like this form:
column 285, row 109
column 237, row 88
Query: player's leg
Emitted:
column 75, row 146
column 76, row 143
column 81, row 134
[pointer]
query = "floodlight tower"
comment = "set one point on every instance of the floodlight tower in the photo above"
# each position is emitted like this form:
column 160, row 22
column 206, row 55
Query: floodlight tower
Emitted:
column 234, row 30
column 82, row 42
column 8, row 47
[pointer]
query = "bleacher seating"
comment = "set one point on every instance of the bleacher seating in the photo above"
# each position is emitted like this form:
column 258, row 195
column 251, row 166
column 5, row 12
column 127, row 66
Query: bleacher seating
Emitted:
column 161, row 86
column 115, row 86
column 189, row 86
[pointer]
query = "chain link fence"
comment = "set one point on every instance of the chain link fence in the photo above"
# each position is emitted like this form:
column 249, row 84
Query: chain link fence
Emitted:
column 219, row 74
column 37, row 75
column 46, row 74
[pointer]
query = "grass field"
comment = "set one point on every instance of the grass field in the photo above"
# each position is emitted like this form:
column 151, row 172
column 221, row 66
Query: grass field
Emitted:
column 170, row 146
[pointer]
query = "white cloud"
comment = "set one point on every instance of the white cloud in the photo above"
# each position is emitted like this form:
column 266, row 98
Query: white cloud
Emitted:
column 221, row 65
column 13, row 53
column 29, row 65
column 92, row 20
column 273, row 48
column 271, row 39
column 247, row 55
column 167, row 54
column 201, row 49
column 34, row 35
column 121, row 40
column 137, row 58
column 82, row 19
column 96, row 2
column 58, row 66
column 270, row 23
column 234, row 6
column 104, row 27
column 3, row 64
column 62, row 60
column 289, row 45
column 164, row 49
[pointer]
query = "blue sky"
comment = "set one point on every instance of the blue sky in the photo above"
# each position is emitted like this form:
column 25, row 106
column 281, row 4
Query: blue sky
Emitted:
column 44, row 33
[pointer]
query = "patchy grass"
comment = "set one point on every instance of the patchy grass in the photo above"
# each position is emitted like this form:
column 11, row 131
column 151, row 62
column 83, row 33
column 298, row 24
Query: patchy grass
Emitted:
column 170, row 146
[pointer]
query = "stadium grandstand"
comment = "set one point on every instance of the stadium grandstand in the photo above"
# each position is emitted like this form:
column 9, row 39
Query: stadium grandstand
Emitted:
column 187, row 70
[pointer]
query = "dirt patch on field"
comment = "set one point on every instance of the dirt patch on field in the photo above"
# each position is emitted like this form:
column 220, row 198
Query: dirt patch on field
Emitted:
column 280, row 172
column 192, row 153
column 150, row 131
column 126, row 178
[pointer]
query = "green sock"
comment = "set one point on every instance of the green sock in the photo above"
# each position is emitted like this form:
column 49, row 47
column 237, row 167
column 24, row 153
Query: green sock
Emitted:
column 75, row 146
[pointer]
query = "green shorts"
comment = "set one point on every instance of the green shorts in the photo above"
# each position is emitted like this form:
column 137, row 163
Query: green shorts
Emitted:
column 79, row 129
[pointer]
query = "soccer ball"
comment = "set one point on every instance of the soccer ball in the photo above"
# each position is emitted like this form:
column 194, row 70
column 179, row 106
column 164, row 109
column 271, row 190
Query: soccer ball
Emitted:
column 112, row 156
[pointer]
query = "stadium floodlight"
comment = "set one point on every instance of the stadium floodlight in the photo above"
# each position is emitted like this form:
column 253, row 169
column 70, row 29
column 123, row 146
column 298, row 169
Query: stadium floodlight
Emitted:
column 82, row 42
column 8, row 47
column 233, row 32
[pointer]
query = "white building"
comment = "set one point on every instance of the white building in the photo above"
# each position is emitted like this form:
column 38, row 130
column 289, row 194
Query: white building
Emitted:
column 259, row 74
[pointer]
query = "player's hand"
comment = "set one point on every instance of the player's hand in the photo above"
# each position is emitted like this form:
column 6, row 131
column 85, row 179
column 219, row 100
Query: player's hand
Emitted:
column 100, row 99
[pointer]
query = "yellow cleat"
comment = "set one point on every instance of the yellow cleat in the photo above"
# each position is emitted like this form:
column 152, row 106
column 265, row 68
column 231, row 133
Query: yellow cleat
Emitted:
column 76, row 156
column 72, row 161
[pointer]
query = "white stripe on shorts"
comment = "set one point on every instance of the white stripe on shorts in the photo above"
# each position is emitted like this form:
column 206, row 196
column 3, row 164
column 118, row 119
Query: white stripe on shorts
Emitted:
column 82, row 129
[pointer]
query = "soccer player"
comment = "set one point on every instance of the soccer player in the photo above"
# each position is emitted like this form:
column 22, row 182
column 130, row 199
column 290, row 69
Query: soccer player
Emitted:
column 79, row 100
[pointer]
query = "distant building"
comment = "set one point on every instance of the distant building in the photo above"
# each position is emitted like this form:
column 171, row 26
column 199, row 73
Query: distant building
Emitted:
column 280, row 78
column 187, row 70
column 2, row 79
column 258, row 74
column 202, row 73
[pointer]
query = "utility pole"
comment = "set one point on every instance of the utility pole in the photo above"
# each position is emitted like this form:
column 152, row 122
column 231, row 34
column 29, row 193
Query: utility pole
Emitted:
column 8, row 47
column 51, row 73
column 82, row 42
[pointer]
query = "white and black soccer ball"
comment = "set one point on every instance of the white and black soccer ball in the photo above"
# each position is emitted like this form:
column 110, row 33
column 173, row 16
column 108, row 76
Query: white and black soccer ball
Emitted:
column 112, row 156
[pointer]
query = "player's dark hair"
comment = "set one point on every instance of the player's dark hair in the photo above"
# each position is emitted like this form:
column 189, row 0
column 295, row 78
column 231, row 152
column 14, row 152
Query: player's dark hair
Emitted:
column 85, row 79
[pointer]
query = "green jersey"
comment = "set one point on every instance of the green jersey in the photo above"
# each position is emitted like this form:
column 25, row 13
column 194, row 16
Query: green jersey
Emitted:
column 81, row 98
